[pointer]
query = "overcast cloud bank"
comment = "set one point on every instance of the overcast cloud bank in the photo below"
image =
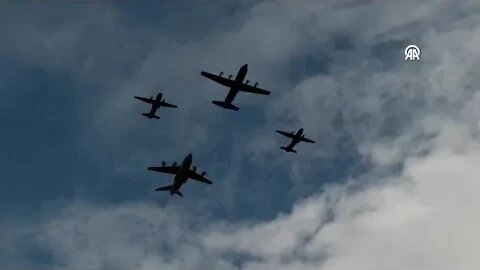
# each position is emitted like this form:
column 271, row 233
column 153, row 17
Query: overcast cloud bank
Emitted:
column 416, row 125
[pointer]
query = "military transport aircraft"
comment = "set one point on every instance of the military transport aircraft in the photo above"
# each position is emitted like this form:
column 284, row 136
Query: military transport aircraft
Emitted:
column 296, row 138
column 236, row 85
column 156, row 103
column 182, row 173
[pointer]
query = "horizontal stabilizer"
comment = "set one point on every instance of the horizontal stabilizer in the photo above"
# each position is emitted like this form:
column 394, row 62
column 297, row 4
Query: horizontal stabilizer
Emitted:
column 150, row 115
column 288, row 149
column 164, row 188
column 225, row 105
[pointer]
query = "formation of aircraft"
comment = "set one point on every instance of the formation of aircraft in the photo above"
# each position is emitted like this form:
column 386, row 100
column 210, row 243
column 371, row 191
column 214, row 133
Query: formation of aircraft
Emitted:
column 296, row 138
column 236, row 85
column 185, row 170
column 156, row 103
column 182, row 173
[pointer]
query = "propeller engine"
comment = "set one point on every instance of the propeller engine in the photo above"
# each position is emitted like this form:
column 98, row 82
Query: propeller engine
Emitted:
column 230, row 76
column 194, row 168
column 221, row 73
column 255, row 85
column 163, row 163
column 204, row 173
column 247, row 82
column 151, row 97
column 174, row 164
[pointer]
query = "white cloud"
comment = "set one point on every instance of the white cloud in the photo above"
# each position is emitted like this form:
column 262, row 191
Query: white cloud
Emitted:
column 422, row 217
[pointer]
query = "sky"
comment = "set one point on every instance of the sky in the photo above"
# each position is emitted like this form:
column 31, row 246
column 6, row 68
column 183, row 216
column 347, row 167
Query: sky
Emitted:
column 392, row 182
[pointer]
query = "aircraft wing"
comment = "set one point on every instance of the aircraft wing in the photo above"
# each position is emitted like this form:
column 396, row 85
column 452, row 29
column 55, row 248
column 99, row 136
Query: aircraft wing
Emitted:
column 253, row 89
column 219, row 79
column 165, row 104
column 147, row 100
column 306, row 140
column 165, row 169
column 286, row 134
column 195, row 176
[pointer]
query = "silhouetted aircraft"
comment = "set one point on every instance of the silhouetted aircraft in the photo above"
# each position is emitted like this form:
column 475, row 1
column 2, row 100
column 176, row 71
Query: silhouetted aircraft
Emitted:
column 296, row 138
column 182, row 174
column 156, row 103
column 236, row 85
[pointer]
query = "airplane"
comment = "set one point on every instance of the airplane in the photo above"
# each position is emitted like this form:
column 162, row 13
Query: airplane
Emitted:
column 236, row 85
column 296, row 138
column 182, row 173
column 156, row 103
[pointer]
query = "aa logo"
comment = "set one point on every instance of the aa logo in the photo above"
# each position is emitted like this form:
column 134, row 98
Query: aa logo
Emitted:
column 412, row 52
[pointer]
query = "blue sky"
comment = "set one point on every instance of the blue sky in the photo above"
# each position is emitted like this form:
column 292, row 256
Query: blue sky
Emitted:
column 75, row 192
column 58, row 107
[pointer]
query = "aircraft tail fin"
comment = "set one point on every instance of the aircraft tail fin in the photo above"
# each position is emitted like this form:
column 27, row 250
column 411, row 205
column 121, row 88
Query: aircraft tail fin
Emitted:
column 150, row 115
column 169, row 187
column 288, row 149
column 225, row 105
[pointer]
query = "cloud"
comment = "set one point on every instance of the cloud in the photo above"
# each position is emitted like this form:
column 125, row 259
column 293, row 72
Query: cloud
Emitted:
column 416, row 124
column 422, row 219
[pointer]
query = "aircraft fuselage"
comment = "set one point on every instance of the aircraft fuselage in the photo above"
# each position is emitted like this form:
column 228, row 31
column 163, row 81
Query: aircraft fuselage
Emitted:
column 156, row 104
column 181, row 176
column 296, row 139
column 242, row 73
